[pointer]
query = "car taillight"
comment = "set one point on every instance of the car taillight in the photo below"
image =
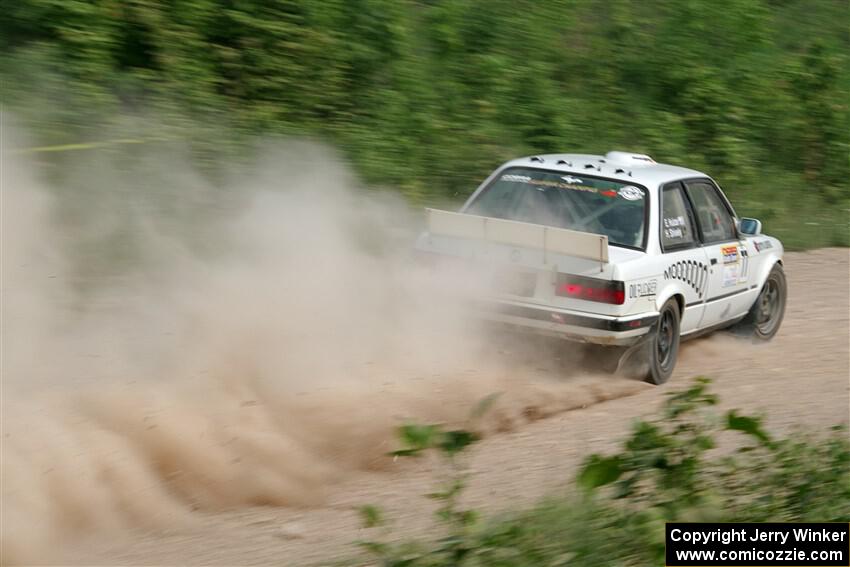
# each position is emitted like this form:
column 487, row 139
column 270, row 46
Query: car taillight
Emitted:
column 590, row 289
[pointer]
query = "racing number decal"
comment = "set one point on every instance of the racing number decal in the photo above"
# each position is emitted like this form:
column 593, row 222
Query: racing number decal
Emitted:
column 693, row 273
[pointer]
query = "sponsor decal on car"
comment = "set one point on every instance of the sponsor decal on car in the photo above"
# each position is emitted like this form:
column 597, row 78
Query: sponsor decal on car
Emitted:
column 516, row 178
column 631, row 193
column 763, row 245
column 643, row 289
column 561, row 185
column 745, row 265
column 736, row 272
column 730, row 254
column 693, row 273
column 731, row 266
column 731, row 272
column 628, row 192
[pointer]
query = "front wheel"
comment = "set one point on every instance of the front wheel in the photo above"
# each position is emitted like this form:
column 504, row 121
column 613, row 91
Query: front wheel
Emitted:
column 765, row 316
column 663, row 344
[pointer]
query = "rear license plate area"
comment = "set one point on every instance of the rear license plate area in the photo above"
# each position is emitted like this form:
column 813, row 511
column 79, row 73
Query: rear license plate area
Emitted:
column 515, row 282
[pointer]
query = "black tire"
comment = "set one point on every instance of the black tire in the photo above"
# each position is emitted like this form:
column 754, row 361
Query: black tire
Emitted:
column 765, row 316
column 663, row 344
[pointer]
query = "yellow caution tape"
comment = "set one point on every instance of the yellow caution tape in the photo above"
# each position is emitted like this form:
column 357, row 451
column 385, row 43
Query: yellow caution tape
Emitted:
column 85, row 146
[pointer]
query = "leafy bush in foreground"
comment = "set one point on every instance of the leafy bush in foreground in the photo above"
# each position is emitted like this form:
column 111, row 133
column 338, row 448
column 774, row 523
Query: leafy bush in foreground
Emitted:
column 669, row 469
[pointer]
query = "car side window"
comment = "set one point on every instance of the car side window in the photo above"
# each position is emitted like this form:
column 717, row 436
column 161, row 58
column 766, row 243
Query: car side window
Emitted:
column 677, row 229
column 715, row 222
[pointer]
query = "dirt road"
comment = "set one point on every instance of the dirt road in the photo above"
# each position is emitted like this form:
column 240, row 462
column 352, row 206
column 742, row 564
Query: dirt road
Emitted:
column 799, row 379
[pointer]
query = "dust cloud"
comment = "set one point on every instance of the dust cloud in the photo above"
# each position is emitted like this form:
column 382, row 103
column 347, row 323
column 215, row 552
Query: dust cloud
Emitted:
column 174, row 345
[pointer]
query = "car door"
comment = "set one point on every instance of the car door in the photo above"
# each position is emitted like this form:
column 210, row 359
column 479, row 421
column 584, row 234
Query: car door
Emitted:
column 685, row 262
column 727, row 254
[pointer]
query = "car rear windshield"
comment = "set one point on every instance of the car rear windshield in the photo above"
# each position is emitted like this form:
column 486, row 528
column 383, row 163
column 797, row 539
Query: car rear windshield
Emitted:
column 572, row 201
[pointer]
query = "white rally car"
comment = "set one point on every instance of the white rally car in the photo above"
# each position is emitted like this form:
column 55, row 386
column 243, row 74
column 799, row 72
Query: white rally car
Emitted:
column 615, row 250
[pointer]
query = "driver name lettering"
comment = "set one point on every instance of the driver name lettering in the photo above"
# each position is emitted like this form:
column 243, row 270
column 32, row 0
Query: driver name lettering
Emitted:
column 674, row 227
column 671, row 222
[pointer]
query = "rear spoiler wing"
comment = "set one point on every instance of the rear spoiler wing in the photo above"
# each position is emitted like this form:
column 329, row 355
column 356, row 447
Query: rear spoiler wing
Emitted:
column 515, row 233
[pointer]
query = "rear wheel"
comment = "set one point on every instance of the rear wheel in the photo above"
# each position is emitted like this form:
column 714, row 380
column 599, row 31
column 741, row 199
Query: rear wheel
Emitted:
column 663, row 344
column 765, row 316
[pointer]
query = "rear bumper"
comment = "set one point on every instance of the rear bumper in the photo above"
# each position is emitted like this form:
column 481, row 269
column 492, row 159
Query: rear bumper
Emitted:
column 572, row 325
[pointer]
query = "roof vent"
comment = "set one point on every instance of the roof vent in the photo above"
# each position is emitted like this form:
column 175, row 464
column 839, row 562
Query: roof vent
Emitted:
column 628, row 158
column 565, row 162
column 589, row 166
column 537, row 158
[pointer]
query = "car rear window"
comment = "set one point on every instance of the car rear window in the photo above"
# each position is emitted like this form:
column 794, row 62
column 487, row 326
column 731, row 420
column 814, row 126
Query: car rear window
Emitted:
column 572, row 201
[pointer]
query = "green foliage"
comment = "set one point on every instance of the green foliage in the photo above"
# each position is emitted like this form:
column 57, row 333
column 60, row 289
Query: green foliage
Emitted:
column 599, row 471
column 371, row 516
column 415, row 440
column 668, row 470
column 662, row 461
column 749, row 425
column 419, row 438
column 428, row 97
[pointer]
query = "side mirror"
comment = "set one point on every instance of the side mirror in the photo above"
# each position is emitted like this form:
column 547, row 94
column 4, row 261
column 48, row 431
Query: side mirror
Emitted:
column 751, row 227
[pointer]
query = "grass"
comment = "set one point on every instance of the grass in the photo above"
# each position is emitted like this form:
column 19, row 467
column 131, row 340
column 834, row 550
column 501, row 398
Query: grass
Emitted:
column 795, row 212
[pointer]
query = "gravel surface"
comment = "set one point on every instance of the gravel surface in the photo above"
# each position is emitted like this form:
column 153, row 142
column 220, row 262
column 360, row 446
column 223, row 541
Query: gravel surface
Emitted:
column 800, row 379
